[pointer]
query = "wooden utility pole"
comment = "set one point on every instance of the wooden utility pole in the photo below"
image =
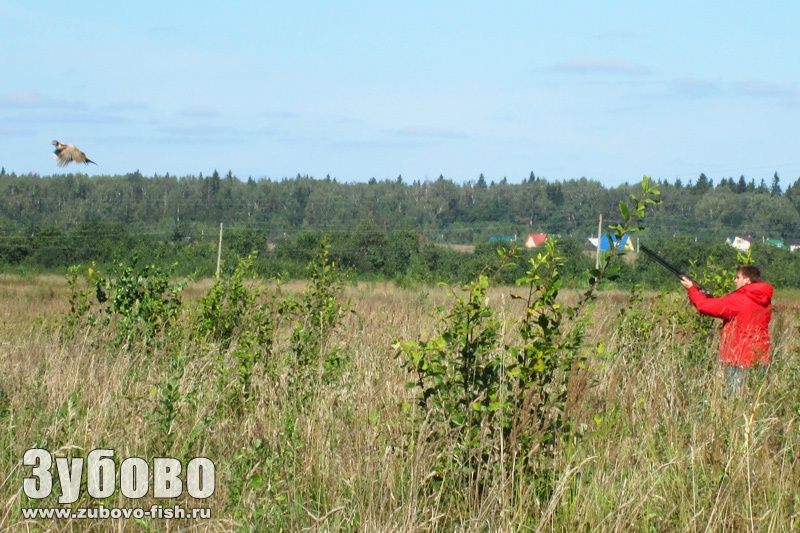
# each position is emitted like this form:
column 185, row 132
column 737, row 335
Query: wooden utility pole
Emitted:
column 219, row 249
column 599, row 241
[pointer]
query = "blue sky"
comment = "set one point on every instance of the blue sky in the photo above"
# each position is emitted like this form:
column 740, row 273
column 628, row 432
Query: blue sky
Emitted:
column 605, row 90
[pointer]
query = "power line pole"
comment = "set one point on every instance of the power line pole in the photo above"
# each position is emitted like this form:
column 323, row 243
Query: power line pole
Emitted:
column 599, row 242
column 219, row 249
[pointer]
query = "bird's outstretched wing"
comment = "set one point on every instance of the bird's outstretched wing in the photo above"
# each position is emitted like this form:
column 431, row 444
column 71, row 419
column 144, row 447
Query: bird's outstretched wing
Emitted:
column 68, row 153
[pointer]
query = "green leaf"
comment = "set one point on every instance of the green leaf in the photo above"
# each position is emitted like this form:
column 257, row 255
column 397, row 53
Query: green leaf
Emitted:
column 624, row 211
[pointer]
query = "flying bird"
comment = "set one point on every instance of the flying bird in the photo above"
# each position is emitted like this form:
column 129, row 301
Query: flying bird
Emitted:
column 67, row 153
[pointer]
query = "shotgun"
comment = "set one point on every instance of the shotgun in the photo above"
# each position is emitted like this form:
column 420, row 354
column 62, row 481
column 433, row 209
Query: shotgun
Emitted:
column 663, row 262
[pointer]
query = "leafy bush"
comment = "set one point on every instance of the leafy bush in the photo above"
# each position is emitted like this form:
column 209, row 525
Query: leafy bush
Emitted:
column 143, row 300
column 227, row 303
column 459, row 378
column 315, row 313
column 136, row 302
column 242, row 320
column 488, row 404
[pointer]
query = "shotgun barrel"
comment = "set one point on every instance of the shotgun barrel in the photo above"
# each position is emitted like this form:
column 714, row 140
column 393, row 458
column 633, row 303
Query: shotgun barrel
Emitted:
column 664, row 263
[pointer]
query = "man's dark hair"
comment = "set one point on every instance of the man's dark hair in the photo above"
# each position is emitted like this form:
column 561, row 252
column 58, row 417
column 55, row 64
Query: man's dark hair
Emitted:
column 751, row 272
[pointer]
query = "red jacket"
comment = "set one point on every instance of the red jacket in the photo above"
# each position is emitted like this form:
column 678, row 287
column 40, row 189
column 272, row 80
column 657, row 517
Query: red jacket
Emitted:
column 745, row 315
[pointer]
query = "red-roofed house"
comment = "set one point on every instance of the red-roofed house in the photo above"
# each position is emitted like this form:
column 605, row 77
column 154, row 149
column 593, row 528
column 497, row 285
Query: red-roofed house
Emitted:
column 535, row 239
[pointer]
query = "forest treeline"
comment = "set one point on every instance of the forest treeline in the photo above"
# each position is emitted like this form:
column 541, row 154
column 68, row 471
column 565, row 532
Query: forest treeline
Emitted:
column 386, row 229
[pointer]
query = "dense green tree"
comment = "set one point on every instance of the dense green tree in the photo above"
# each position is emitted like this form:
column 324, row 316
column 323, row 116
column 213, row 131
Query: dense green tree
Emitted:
column 793, row 193
column 703, row 184
column 779, row 266
column 775, row 190
column 555, row 194
column 741, row 185
column 771, row 217
column 51, row 221
column 721, row 209
column 214, row 183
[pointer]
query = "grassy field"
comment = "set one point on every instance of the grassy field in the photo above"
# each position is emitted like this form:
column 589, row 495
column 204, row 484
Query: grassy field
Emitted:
column 658, row 442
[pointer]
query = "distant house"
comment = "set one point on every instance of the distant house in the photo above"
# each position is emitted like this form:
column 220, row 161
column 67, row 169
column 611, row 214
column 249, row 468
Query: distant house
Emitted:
column 502, row 238
column 793, row 245
column 626, row 243
column 777, row 243
column 534, row 240
column 740, row 243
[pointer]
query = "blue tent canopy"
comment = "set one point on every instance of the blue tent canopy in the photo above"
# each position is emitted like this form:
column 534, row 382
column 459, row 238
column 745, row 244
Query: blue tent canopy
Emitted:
column 605, row 246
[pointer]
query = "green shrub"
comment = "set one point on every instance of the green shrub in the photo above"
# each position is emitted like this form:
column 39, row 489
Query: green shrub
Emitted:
column 489, row 405
column 135, row 302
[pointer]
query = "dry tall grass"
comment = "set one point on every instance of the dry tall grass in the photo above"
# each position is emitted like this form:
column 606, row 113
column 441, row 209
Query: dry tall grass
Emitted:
column 662, row 445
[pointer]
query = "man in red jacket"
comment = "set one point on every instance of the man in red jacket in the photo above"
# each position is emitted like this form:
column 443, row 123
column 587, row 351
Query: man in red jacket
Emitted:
column 745, row 315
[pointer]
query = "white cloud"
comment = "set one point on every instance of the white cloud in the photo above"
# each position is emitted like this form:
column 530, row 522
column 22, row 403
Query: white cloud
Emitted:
column 619, row 36
column 692, row 88
column 124, row 106
column 200, row 133
column 12, row 131
column 278, row 115
column 593, row 66
column 34, row 100
column 426, row 133
column 762, row 89
column 699, row 88
column 199, row 112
